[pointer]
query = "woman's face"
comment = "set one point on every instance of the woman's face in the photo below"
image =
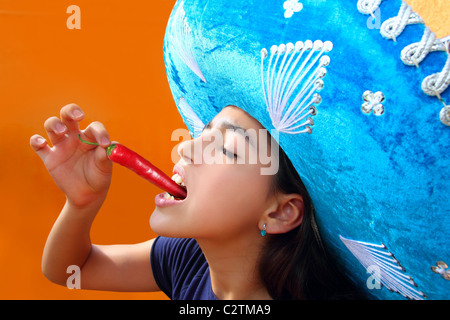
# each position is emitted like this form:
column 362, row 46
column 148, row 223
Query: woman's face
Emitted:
column 227, row 194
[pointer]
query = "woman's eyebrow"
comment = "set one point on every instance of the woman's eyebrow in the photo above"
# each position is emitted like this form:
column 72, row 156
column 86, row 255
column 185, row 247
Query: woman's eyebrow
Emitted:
column 227, row 125
column 208, row 126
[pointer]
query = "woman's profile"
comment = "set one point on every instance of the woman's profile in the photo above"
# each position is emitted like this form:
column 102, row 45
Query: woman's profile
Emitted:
column 355, row 129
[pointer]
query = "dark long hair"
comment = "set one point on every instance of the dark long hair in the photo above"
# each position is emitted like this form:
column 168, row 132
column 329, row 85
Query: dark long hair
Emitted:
column 295, row 265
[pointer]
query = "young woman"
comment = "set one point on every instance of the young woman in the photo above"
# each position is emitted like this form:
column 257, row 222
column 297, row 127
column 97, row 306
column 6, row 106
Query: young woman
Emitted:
column 237, row 235
column 373, row 164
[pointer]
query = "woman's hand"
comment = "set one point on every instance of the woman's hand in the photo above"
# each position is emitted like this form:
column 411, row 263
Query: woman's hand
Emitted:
column 81, row 171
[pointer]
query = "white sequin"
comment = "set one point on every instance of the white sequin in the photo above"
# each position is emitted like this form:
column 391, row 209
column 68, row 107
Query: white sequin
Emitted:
column 291, row 6
column 373, row 102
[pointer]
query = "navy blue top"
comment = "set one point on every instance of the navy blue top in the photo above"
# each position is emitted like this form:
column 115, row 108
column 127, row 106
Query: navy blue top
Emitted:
column 180, row 269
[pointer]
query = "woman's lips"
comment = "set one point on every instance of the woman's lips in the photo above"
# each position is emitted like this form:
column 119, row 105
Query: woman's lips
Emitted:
column 162, row 202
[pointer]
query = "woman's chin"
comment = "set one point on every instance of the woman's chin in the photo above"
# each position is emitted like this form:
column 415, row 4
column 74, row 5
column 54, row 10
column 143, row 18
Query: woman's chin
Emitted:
column 163, row 223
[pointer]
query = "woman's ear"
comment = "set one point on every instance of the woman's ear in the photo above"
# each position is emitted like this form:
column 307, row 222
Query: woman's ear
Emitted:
column 286, row 215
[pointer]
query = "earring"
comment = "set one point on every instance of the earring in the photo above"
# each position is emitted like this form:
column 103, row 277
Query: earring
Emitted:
column 263, row 231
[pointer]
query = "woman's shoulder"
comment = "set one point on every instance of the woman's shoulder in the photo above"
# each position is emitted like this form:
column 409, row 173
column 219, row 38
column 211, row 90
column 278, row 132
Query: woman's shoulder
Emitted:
column 178, row 253
column 176, row 246
column 180, row 268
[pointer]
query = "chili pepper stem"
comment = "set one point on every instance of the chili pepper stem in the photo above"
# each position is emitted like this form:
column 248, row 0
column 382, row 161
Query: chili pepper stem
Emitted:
column 109, row 149
column 87, row 142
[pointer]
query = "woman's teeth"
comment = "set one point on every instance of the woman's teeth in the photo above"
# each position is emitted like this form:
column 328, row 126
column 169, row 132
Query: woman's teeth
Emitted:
column 168, row 196
column 178, row 180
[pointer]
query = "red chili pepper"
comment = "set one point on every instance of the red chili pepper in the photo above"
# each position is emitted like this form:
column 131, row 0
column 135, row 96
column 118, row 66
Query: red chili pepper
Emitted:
column 120, row 154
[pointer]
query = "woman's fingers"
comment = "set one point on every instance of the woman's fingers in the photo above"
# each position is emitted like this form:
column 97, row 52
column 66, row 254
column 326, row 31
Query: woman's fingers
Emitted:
column 71, row 114
column 96, row 131
column 55, row 129
column 66, row 127
column 40, row 146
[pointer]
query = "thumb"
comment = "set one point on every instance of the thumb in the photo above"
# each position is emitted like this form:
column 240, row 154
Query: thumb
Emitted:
column 102, row 160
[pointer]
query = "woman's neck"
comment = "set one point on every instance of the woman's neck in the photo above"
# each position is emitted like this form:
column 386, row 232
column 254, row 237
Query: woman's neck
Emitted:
column 234, row 270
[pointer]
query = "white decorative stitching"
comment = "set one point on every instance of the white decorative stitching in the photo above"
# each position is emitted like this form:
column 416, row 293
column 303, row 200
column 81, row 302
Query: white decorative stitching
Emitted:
column 415, row 53
column 281, row 80
column 444, row 115
column 437, row 83
column 368, row 6
column 393, row 27
column 181, row 40
column 192, row 118
column 391, row 274
column 446, row 43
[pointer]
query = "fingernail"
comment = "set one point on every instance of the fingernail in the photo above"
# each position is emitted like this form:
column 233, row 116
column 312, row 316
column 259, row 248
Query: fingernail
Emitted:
column 104, row 141
column 60, row 128
column 40, row 140
column 77, row 113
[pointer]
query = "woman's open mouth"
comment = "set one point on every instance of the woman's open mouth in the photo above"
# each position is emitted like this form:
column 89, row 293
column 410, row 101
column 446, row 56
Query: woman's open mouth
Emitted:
column 166, row 199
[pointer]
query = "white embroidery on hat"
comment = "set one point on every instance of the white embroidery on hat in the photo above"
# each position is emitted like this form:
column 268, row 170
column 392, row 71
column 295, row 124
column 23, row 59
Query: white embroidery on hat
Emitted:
column 368, row 6
column 291, row 6
column 181, row 40
column 444, row 115
column 194, row 121
column 373, row 102
column 393, row 27
column 415, row 53
column 389, row 273
column 302, row 76
column 437, row 83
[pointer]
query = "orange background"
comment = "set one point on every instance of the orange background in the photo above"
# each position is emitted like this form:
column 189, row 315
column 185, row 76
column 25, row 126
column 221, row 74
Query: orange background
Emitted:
column 113, row 68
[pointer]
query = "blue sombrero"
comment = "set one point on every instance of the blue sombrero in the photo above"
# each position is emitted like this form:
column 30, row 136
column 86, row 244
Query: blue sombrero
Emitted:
column 357, row 92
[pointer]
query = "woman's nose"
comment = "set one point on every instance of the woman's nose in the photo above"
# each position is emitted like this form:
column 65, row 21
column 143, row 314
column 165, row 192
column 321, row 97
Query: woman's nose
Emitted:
column 191, row 151
column 202, row 149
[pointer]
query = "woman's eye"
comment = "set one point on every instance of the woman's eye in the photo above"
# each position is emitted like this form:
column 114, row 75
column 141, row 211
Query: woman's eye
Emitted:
column 228, row 153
